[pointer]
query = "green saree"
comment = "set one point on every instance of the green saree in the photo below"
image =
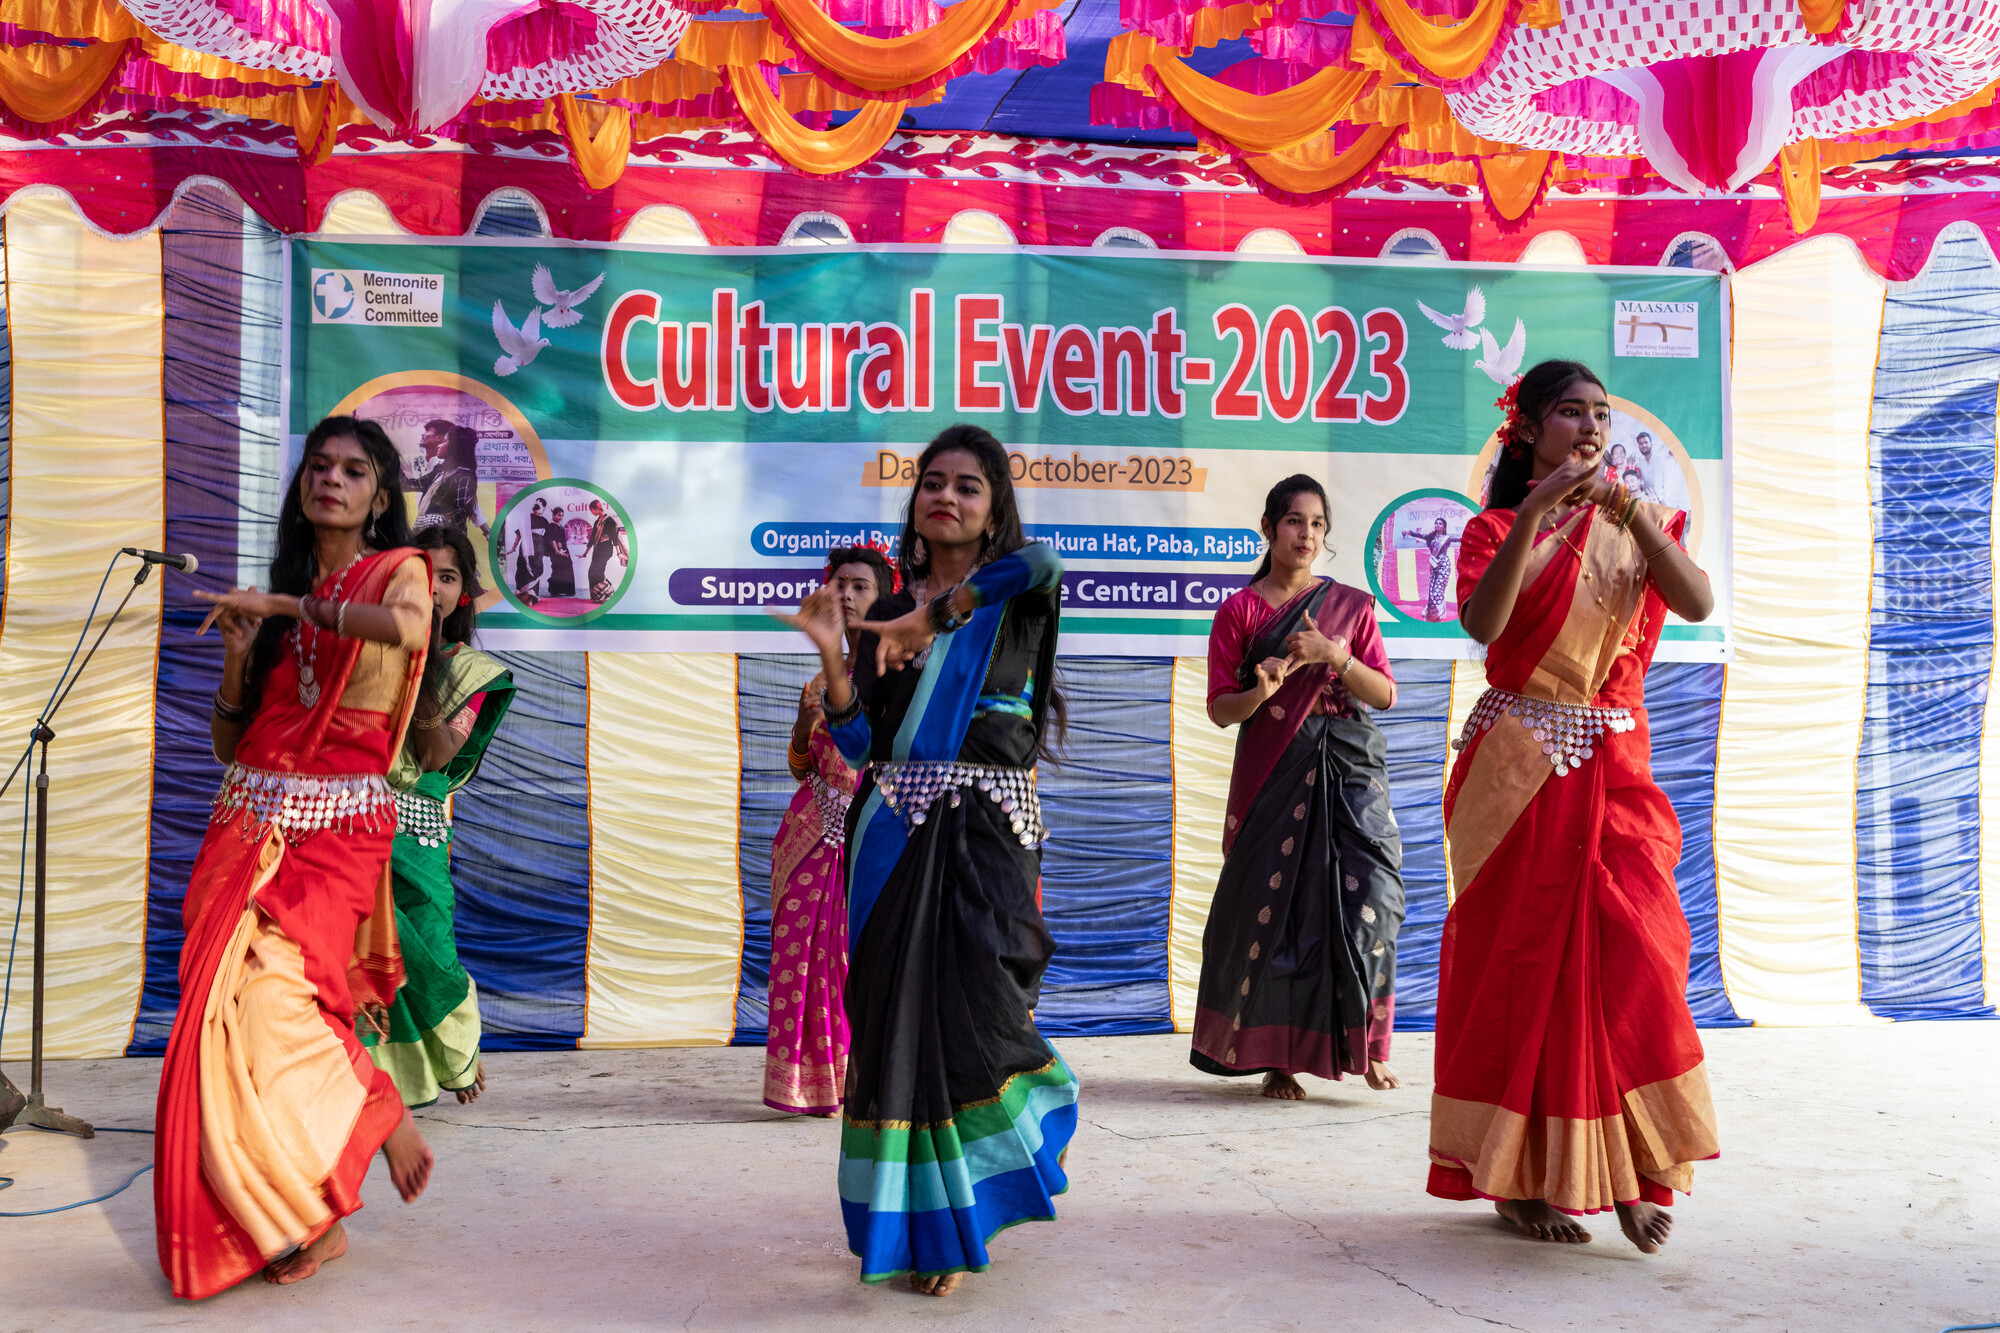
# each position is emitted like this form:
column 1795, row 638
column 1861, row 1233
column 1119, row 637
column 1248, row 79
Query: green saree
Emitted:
column 433, row 1038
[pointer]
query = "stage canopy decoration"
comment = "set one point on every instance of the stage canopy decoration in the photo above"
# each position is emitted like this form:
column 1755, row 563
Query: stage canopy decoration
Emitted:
column 1506, row 101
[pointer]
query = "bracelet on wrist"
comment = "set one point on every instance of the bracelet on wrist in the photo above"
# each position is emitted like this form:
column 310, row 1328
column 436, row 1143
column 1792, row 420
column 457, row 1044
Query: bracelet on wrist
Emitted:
column 838, row 716
column 943, row 617
column 226, row 710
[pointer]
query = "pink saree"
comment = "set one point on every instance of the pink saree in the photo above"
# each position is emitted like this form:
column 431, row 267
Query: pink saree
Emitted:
column 805, row 1055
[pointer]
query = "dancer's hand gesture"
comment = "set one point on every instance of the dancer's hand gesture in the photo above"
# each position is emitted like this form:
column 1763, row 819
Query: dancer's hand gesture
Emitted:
column 810, row 710
column 1309, row 645
column 1271, row 673
column 898, row 641
column 238, row 615
column 819, row 619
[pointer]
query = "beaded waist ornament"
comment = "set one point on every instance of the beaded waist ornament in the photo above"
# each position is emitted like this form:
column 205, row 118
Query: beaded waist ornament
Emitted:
column 302, row 804
column 832, row 804
column 1568, row 732
column 423, row 818
column 912, row 787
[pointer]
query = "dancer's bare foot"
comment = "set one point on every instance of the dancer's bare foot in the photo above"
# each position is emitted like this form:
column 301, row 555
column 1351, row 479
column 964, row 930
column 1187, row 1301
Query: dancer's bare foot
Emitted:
column 467, row 1096
column 1645, row 1224
column 409, row 1159
column 1280, row 1086
column 303, row 1262
column 944, row 1284
column 1533, row 1218
column 1381, row 1077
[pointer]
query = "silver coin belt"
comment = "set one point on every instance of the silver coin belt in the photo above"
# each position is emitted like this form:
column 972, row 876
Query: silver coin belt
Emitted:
column 832, row 803
column 302, row 804
column 912, row 787
column 422, row 818
column 1568, row 732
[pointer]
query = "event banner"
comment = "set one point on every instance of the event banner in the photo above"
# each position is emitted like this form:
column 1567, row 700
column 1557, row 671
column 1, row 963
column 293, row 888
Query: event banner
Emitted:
column 652, row 447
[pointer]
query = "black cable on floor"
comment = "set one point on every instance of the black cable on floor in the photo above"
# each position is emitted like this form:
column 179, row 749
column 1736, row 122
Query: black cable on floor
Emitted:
column 6, row 1181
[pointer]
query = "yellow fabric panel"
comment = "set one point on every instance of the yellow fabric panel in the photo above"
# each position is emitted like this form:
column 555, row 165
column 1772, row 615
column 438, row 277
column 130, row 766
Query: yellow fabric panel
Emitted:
column 88, row 477
column 48, row 83
column 358, row 213
column 1314, row 165
column 1203, row 755
column 666, row 901
column 1266, row 123
column 1807, row 324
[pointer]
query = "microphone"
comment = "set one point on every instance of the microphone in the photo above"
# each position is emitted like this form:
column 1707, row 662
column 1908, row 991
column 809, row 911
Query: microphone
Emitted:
column 186, row 564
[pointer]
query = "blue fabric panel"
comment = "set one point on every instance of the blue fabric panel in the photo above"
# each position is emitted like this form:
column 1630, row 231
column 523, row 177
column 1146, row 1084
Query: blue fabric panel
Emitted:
column 1107, row 872
column 1684, row 708
column 1415, row 732
column 521, row 860
column 1930, row 640
column 767, row 703
column 213, row 254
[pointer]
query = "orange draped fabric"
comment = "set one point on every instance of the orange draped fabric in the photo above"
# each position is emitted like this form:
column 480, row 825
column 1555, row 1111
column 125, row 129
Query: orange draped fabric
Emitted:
column 1798, row 181
column 886, row 64
column 45, row 84
column 1249, row 122
column 600, row 139
column 1568, row 1066
column 269, row 1109
column 1513, row 180
column 1314, row 166
column 88, row 20
column 1822, row 16
column 713, row 43
column 820, row 152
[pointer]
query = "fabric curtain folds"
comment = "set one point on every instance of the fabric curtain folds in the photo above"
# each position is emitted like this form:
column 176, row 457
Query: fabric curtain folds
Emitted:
column 1251, row 123
column 44, row 84
column 1314, row 168
column 1513, row 181
column 894, row 66
column 816, row 152
column 600, row 139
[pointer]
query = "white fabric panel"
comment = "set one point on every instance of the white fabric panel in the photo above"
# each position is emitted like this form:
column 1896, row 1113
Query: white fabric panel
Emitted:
column 666, row 894
column 1807, row 326
column 1203, row 756
column 86, row 319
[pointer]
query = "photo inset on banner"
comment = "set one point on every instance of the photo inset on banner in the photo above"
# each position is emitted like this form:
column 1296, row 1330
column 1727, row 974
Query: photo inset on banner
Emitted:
column 1413, row 554
column 463, row 456
column 563, row 551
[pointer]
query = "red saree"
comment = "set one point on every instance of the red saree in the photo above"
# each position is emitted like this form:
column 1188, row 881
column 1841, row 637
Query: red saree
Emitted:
column 269, row 1107
column 1568, row 1066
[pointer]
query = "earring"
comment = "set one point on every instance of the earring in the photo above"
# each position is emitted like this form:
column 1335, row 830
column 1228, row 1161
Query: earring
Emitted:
column 920, row 554
column 465, row 599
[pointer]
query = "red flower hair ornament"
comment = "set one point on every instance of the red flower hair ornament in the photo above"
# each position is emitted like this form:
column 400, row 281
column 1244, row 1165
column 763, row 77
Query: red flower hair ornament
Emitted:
column 1509, row 402
column 881, row 549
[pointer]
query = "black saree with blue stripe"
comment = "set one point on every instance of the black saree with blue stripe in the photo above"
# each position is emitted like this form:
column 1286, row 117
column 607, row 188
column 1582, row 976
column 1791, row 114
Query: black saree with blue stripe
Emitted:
column 957, row 1111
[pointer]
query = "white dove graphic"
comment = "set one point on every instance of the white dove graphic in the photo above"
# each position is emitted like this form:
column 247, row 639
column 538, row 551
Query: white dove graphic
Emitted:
column 1503, row 364
column 562, row 305
column 521, row 345
column 1458, row 329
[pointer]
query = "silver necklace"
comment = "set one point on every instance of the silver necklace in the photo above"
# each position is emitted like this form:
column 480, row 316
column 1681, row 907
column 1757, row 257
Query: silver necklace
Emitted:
column 309, row 659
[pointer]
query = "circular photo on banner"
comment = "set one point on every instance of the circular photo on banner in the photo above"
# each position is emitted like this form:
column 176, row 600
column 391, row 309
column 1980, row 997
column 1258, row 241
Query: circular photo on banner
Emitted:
column 1643, row 454
column 562, row 551
column 466, row 450
column 1413, row 554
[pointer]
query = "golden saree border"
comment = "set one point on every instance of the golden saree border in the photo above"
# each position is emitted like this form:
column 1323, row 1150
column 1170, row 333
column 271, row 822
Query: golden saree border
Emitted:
column 1581, row 1165
column 1506, row 767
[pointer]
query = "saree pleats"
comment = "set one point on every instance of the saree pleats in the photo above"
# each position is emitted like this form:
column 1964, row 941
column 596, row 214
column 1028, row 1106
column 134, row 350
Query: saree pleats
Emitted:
column 1568, row 1065
column 958, row 1111
column 805, row 1055
column 270, row 1109
column 1298, row 966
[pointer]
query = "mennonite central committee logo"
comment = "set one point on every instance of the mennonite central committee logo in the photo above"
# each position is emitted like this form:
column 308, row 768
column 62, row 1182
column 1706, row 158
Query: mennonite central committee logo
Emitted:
column 333, row 295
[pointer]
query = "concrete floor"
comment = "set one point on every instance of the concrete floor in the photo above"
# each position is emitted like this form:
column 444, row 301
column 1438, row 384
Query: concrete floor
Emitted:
column 651, row 1189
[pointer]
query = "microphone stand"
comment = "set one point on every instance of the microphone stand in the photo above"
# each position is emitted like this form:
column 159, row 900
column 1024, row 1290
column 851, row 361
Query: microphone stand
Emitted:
column 31, row 1108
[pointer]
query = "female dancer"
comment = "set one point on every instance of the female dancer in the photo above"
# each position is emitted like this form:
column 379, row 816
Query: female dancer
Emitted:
column 957, row 1111
column 805, row 1056
column 562, row 570
column 450, row 497
column 1298, row 961
column 606, row 540
column 433, row 1038
column 269, row 1109
column 1569, row 1073
column 1438, row 541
